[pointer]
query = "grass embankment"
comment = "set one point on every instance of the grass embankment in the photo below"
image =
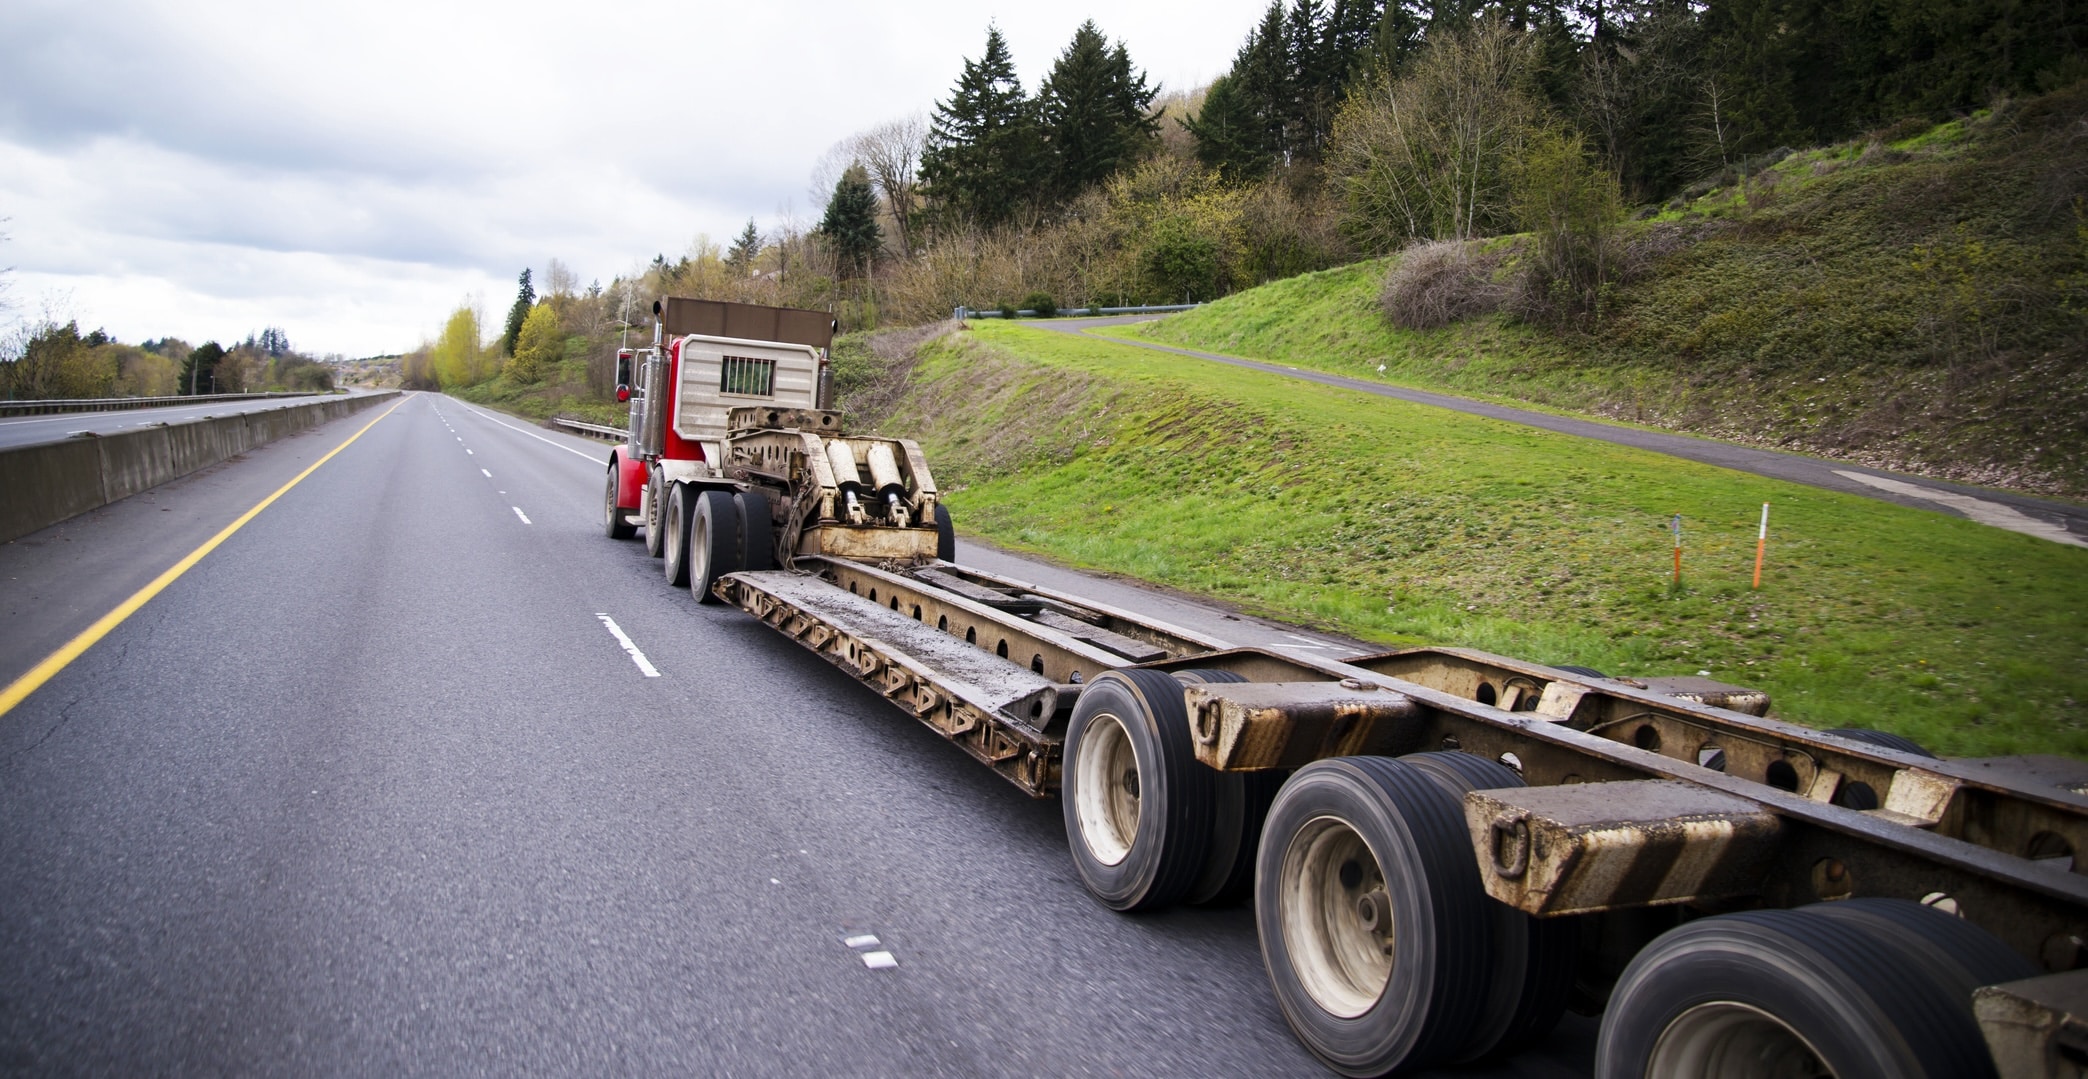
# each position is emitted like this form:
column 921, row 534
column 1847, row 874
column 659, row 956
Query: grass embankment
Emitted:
column 1405, row 524
column 1917, row 299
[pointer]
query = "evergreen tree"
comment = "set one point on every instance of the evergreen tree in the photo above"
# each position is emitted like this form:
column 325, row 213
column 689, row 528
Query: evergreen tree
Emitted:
column 980, row 162
column 1229, row 134
column 199, row 371
column 850, row 223
column 740, row 256
column 525, row 298
column 1092, row 113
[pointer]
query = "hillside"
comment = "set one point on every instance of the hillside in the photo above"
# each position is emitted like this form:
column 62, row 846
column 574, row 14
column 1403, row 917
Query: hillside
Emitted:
column 1404, row 524
column 1916, row 299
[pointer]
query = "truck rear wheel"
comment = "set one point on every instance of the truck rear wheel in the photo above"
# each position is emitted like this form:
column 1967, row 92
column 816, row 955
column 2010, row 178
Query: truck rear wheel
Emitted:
column 714, row 538
column 674, row 547
column 1373, row 923
column 615, row 523
column 655, row 516
column 1534, row 958
column 1138, row 804
column 757, row 537
column 945, row 535
column 1790, row 992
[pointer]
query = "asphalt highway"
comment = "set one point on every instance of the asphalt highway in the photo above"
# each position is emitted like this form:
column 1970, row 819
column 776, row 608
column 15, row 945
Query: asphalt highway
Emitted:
column 375, row 787
column 29, row 430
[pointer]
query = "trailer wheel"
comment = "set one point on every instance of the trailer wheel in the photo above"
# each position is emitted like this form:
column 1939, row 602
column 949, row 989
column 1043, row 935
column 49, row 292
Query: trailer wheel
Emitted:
column 1240, row 803
column 1372, row 919
column 1958, row 955
column 655, row 516
column 1137, row 802
column 615, row 523
column 1882, row 739
column 1534, row 958
column 757, row 536
column 945, row 535
column 1575, row 668
column 674, row 545
column 1787, row 992
column 714, row 538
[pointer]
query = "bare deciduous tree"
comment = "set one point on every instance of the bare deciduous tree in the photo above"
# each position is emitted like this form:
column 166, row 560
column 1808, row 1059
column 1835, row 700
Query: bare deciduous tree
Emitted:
column 1425, row 155
column 891, row 152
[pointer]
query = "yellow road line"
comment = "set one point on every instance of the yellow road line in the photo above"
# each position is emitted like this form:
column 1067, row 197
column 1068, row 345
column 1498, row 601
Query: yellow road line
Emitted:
column 62, row 658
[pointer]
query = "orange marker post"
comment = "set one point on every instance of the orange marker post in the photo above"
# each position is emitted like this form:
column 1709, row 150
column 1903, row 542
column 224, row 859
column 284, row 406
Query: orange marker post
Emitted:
column 1676, row 526
column 1761, row 545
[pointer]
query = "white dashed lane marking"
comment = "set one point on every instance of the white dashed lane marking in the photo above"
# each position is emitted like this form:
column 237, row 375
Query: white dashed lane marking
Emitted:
column 629, row 647
column 867, row 948
column 519, row 513
column 485, row 473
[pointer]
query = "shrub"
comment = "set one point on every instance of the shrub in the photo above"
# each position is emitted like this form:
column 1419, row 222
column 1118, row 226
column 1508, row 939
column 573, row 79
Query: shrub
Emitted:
column 1007, row 310
column 1436, row 283
column 1041, row 304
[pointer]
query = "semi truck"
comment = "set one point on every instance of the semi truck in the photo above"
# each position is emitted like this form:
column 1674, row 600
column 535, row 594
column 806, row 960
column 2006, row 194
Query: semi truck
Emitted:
column 1445, row 849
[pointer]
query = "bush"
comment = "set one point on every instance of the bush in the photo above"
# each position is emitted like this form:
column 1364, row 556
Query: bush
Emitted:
column 1437, row 283
column 1041, row 304
column 1007, row 310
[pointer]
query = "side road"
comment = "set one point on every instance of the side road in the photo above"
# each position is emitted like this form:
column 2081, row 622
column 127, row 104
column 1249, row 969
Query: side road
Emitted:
column 2060, row 522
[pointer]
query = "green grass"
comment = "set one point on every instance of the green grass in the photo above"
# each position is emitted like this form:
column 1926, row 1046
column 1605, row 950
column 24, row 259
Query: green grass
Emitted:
column 1917, row 302
column 1404, row 524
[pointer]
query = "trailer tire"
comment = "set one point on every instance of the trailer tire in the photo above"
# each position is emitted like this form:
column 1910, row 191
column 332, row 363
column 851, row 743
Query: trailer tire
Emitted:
column 616, row 524
column 655, row 507
column 714, row 539
column 1534, row 958
column 757, row 536
column 1575, row 668
column 1137, row 803
column 674, row 546
column 1354, row 844
column 1240, row 802
column 1790, row 988
column 945, row 535
column 1958, row 955
column 1883, row 740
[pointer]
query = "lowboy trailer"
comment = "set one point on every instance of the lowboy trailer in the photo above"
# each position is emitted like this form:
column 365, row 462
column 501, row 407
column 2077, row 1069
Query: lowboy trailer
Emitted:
column 1446, row 849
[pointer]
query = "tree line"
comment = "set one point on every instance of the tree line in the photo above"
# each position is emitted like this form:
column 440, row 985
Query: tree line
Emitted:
column 55, row 361
column 1341, row 129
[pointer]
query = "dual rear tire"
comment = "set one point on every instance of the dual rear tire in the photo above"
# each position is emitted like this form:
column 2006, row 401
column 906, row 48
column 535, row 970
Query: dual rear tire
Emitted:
column 700, row 539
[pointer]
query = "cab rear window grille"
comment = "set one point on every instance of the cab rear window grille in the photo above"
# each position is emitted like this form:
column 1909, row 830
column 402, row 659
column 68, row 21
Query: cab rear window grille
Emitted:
column 739, row 374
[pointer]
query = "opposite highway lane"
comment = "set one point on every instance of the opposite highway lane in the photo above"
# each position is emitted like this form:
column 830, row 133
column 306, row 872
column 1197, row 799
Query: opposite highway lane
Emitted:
column 29, row 430
column 373, row 788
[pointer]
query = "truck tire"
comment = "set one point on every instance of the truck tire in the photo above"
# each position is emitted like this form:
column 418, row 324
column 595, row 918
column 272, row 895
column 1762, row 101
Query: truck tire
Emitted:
column 1137, row 802
column 615, row 523
column 1883, row 740
column 674, row 545
column 1790, row 989
column 1240, row 802
column 757, row 537
column 1534, row 958
column 1373, row 923
column 945, row 535
column 655, row 517
column 714, row 539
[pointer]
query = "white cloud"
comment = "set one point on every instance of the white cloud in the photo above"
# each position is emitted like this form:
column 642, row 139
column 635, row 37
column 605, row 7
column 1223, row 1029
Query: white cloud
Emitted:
column 349, row 172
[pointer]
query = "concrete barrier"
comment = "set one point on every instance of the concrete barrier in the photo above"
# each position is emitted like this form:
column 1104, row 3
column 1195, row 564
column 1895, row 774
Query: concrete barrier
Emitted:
column 44, row 484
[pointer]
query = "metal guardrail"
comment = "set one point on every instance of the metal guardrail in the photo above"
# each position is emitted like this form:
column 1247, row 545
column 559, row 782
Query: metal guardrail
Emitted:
column 594, row 430
column 112, row 404
column 963, row 312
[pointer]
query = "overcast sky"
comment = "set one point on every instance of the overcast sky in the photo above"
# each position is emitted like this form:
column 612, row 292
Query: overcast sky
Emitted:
column 351, row 172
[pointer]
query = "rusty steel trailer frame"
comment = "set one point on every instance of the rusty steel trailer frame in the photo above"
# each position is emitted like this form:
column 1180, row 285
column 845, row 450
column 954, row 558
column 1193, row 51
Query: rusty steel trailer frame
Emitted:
column 1618, row 814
